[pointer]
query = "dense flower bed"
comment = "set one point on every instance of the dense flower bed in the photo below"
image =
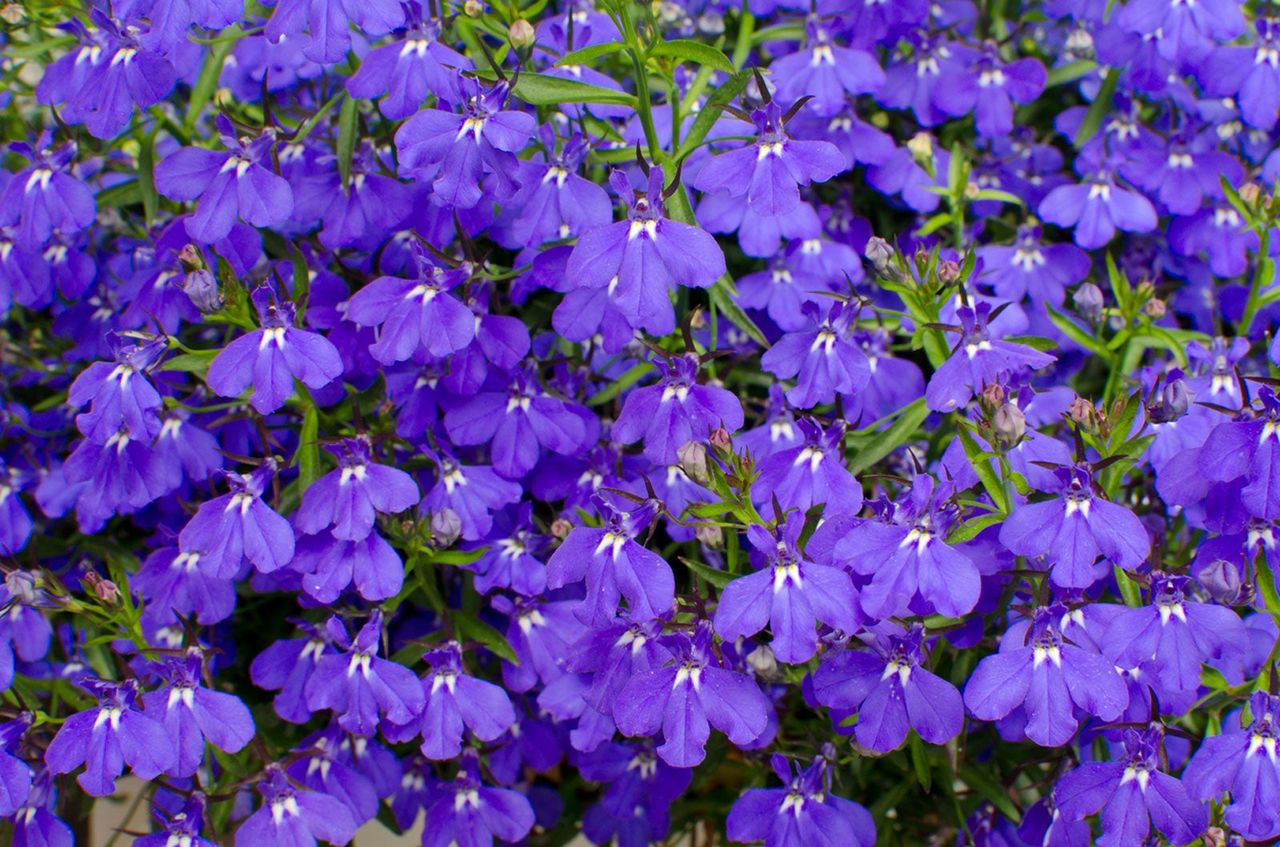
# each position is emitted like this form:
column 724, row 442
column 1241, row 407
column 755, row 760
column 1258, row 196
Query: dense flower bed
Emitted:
column 820, row 423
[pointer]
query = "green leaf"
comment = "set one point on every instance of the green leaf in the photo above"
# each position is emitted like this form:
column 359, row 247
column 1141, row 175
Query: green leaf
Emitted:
column 980, row 460
column 307, row 456
column 1119, row 285
column 722, row 296
column 543, row 90
column 1078, row 335
column 347, row 120
column 1098, row 110
column 123, row 194
column 716, row 577
column 622, row 383
column 710, row 112
column 990, row 790
column 1129, row 590
column 304, row 129
column 996, row 194
column 207, row 81
column 1070, row 72
column 883, row 443
column 687, row 50
column 195, row 363
column 779, row 32
column 589, row 54
column 934, row 224
column 920, row 762
column 1035, row 341
column 477, row 630
column 970, row 529
column 455, row 557
column 147, row 177
column 1267, row 585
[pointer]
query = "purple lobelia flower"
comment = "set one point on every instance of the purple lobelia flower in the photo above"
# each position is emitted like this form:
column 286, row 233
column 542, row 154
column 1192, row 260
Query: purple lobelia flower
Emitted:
column 126, row 74
column 823, row 357
column 453, row 700
column 1186, row 31
column 286, row 666
column 467, row 811
column 636, row 807
column 825, row 70
column 640, row 261
column 416, row 315
column 513, row 559
column 1097, row 207
column 328, row 565
column 409, row 68
column 123, row 400
column 912, row 569
column 328, row 22
column 15, row 774
column 890, row 690
column 293, row 816
column 173, row 583
column 614, row 565
column 688, row 696
column 1074, row 528
column 1170, row 639
column 229, row 185
column 520, row 421
column 107, row 737
column 237, row 526
column 182, row 829
column 359, row 686
column 271, row 357
column 789, row 595
column 1033, row 268
column 811, row 473
column 804, row 813
column 1049, row 678
column 457, row 152
column 554, row 202
column 988, row 90
column 472, row 492
column 771, row 171
column 44, row 197
column 328, row 770
column 1247, row 448
column 34, row 825
column 345, row 500
column 1244, row 761
column 1133, row 794
column 978, row 360
column 193, row 714
column 676, row 411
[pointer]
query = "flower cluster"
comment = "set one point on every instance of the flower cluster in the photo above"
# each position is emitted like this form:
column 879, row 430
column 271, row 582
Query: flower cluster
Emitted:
column 808, row 421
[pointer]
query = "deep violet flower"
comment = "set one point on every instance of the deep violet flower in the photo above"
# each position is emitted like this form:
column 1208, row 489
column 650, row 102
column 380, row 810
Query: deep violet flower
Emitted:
column 45, row 197
column 451, row 700
column 676, row 411
column 468, row 810
column 408, row 69
column 193, row 714
column 978, row 360
column 1243, row 760
column 826, row 70
column 823, row 357
column 358, row 685
column 346, row 499
column 227, row 530
column 289, row 815
column 804, row 812
column 271, row 357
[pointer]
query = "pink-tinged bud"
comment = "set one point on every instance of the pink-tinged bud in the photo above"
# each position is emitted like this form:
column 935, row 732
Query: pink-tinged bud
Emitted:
column 521, row 34
column 202, row 288
column 880, row 253
column 12, row 13
column 104, row 589
column 560, row 528
column 1155, row 308
column 1081, row 411
column 1088, row 302
column 721, row 439
column 709, row 535
column 1250, row 192
column 948, row 272
column 993, row 394
column 190, row 258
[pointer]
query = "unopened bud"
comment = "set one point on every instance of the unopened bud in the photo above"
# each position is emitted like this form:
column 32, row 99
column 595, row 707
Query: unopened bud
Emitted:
column 473, row 8
column 1172, row 403
column 12, row 13
column 1249, row 193
column 710, row 535
column 521, row 34
column 693, row 461
column 560, row 528
column 446, row 527
column 190, row 258
column 721, row 439
column 880, row 253
column 1088, row 302
column 972, row 190
column 202, row 289
column 1215, row 836
column 698, row 320
column 1081, row 411
column 104, row 589
column 948, row 272
column 1223, row 582
column 993, row 394
column 1009, row 425
column 921, row 147
column 1155, row 308
column 22, row 585
column 763, row 662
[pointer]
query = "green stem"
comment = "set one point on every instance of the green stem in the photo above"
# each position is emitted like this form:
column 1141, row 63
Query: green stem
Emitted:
column 632, row 39
column 742, row 47
column 1255, row 289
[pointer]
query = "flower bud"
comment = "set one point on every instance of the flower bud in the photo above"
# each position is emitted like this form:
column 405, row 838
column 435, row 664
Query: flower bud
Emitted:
column 1088, row 302
column 1009, row 425
column 190, row 258
column 693, row 461
column 1215, row 836
column 12, row 13
column 521, row 34
column 721, row 439
column 1081, row 411
column 1172, row 403
column 880, row 253
column 763, row 662
column 104, row 589
column 921, row 147
column 446, row 527
column 710, row 535
column 560, row 528
column 1249, row 193
column 1223, row 582
column 203, row 291
column 993, row 394
column 948, row 272
column 473, row 8
column 22, row 585
column 1155, row 308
